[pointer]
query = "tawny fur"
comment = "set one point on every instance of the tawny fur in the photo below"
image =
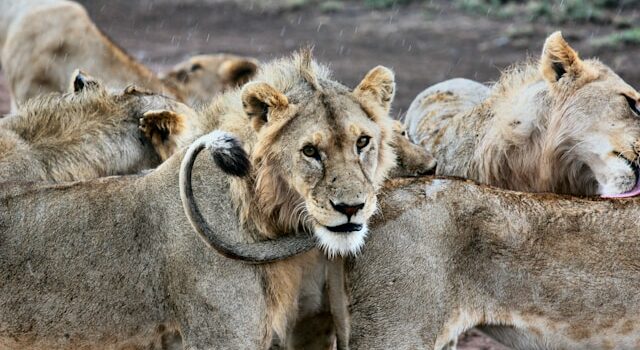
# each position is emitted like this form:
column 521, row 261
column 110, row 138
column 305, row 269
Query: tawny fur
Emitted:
column 79, row 135
column 113, row 264
column 286, row 194
column 446, row 255
column 57, row 36
column 558, row 125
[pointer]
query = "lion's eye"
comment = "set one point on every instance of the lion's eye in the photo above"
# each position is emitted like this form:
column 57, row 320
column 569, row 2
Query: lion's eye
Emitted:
column 310, row 152
column 362, row 142
column 634, row 105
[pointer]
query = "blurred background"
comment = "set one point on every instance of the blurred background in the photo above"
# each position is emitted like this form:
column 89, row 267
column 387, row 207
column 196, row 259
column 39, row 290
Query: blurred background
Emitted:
column 423, row 41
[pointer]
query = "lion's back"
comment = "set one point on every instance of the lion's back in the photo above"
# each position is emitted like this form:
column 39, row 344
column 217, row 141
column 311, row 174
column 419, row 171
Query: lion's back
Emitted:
column 431, row 111
column 58, row 38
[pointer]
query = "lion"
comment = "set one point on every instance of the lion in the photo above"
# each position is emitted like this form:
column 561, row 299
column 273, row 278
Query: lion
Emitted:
column 562, row 125
column 58, row 36
column 445, row 255
column 202, row 77
column 102, row 269
column 318, row 153
column 86, row 133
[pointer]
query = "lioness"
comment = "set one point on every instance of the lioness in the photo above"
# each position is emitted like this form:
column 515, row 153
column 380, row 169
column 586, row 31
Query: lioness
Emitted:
column 87, row 133
column 98, row 268
column 57, row 36
column 446, row 255
column 562, row 125
column 201, row 77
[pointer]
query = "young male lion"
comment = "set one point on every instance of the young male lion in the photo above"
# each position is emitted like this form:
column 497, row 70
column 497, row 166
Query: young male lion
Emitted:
column 562, row 125
column 87, row 133
column 57, row 36
column 319, row 152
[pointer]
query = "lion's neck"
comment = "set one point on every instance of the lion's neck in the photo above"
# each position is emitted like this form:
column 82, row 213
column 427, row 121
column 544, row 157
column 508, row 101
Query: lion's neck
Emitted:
column 133, row 71
column 268, row 208
column 84, row 148
column 512, row 151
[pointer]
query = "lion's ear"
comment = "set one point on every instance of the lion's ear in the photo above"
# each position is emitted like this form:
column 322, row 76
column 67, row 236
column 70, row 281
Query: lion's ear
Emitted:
column 237, row 71
column 81, row 80
column 559, row 59
column 165, row 129
column 377, row 87
column 262, row 102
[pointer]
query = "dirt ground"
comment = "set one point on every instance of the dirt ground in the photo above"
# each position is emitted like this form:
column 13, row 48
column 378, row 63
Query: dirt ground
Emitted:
column 424, row 45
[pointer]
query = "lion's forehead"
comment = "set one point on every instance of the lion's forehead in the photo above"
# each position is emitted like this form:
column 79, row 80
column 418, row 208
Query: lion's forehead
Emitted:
column 332, row 120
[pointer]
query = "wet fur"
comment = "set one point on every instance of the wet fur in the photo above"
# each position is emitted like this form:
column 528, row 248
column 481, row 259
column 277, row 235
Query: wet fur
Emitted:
column 77, row 136
column 124, row 271
column 446, row 255
column 534, row 130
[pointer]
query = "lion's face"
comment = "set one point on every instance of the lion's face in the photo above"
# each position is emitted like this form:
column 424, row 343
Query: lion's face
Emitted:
column 594, row 121
column 331, row 151
column 204, row 76
column 332, row 163
column 606, row 111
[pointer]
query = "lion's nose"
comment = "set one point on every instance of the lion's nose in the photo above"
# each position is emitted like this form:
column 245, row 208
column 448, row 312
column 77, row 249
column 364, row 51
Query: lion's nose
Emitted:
column 347, row 209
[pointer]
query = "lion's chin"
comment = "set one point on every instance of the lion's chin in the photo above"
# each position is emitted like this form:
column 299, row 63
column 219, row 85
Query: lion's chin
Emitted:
column 340, row 243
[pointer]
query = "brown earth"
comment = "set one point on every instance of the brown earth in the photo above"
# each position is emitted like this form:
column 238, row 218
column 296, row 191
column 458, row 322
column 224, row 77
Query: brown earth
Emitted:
column 423, row 44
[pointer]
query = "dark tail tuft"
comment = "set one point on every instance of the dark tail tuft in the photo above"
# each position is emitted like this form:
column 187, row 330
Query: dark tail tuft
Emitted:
column 229, row 155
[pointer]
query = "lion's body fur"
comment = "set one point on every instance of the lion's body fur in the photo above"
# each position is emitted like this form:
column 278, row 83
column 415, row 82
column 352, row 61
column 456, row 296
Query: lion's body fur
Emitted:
column 532, row 132
column 446, row 255
column 79, row 135
column 57, row 37
column 101, row 269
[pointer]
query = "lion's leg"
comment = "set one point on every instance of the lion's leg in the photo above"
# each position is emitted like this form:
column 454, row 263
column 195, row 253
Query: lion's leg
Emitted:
column 202, row 328
column 163, row 128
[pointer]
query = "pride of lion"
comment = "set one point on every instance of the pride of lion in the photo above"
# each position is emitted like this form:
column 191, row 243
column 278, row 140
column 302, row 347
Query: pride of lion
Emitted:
column 235, row 204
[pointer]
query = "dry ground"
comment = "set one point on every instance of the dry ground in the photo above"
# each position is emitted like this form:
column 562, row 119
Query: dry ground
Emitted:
column 423, row 44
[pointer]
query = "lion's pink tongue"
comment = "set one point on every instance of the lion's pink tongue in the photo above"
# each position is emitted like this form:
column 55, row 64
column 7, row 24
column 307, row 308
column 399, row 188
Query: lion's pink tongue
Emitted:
column 631, row 193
